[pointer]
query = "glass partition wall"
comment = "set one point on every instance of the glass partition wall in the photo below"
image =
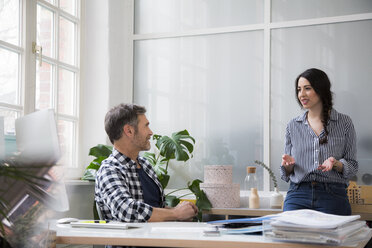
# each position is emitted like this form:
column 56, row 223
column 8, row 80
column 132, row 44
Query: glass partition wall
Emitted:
column 225, row 71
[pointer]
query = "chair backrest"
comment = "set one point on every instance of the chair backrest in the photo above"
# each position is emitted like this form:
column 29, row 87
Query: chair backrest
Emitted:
column 99, row 212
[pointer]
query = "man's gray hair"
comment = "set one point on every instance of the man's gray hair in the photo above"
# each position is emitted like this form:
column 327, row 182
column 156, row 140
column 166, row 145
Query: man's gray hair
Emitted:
column 119, row 116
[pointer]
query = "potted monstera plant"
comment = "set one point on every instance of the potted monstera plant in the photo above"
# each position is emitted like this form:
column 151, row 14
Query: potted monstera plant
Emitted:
column 179, row 146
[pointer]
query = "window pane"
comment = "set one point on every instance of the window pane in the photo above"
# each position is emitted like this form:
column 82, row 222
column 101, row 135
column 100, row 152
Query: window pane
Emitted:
column 66, row 137
column 286, row 10
column 9, row 21
column 347, row 61
column 205, row 84
column 68, row 6
column 44, row 82
column 66, row 92
column 9, row 120
column 169, row 15
column 45, row 30
column 66, row 41
column 51, row 1
column 9, row 81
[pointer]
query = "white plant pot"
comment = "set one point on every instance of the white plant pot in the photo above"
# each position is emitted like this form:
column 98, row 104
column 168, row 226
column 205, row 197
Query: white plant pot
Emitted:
column 276, row 199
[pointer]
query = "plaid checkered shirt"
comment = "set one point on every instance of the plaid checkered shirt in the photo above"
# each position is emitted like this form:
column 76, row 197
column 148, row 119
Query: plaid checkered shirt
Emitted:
column 118, row 190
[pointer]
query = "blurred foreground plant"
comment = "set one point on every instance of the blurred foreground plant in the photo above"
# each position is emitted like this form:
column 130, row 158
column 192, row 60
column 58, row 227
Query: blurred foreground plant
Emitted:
column 13, row 172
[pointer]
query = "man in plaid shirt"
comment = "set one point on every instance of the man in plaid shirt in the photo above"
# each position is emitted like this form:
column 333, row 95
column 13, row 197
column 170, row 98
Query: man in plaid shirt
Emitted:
column 127, row 188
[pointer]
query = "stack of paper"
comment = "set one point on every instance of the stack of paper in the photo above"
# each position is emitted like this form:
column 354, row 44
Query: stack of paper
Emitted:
column 239, row 226
column 310, row 226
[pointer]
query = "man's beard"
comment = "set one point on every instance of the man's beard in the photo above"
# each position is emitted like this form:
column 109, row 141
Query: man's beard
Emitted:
column 142, row 145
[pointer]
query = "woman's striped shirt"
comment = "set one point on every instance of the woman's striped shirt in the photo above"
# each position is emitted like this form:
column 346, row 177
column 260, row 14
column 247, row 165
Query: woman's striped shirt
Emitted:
column 302, row 143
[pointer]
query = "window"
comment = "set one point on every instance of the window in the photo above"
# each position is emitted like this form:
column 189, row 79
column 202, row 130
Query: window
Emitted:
column 11, row 56
column 201, row 77
column 48, row 78
column 224, row 70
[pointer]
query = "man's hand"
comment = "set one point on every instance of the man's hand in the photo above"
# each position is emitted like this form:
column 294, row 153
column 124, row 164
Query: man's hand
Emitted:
column 185, row 210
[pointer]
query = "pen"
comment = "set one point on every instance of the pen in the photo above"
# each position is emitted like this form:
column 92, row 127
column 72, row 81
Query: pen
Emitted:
column 96, row 221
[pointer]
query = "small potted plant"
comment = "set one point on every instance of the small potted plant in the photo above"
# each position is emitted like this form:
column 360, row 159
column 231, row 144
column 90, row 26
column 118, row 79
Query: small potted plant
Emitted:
column 276, row 199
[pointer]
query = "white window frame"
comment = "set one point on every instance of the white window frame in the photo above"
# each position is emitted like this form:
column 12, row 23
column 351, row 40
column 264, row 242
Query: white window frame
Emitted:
column 59, row 64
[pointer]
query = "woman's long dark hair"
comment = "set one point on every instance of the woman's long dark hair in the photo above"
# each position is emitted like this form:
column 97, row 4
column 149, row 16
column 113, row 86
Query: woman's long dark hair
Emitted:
column 322, row 86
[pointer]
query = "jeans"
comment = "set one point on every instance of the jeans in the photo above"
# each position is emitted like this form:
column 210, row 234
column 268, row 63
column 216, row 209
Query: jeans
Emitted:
column 330, row 198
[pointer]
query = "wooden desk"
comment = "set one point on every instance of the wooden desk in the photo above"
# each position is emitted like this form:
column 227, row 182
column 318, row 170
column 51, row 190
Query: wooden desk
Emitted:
column 167, row 234
column 261, row 212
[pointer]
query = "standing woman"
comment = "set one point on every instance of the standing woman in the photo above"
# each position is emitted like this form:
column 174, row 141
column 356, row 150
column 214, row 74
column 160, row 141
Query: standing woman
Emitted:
column 320, row 150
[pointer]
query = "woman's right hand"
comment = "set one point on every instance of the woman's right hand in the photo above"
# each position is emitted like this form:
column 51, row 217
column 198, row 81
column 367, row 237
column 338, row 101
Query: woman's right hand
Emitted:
column 288, row 163
column 287, row 160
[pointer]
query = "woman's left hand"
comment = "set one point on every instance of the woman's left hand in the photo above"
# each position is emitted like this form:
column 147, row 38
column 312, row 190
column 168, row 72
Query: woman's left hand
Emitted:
column 327, row 164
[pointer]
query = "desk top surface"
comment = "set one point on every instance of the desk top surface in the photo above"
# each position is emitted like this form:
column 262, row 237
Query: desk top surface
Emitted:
column 164, row 234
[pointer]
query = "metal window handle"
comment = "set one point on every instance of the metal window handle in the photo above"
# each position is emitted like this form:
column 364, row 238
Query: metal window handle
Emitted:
column 37, row 50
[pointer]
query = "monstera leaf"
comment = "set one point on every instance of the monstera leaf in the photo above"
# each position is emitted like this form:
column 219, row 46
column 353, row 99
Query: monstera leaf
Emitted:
column 172, row 200
column 100, row 152
column 178, row 146
column 158, row 165
column 202, row 201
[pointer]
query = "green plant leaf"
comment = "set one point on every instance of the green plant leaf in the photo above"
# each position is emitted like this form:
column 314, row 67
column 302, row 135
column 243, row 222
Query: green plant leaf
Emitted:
column 188, row 145
column 202, row 201
column 156, row 137
column 172, row 200
column 163, row 179
column 157, row 163
column 96, row 163
column 194, row 186
column 89, row 175
column 100, row 151
column 176, row 147
column 150, row 157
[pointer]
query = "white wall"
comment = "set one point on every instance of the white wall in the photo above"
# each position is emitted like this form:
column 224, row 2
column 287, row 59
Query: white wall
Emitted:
column 120, row 52
column 102, row 73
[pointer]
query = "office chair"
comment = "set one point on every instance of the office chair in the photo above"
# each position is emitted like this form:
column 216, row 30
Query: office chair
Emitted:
column 99, row 212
